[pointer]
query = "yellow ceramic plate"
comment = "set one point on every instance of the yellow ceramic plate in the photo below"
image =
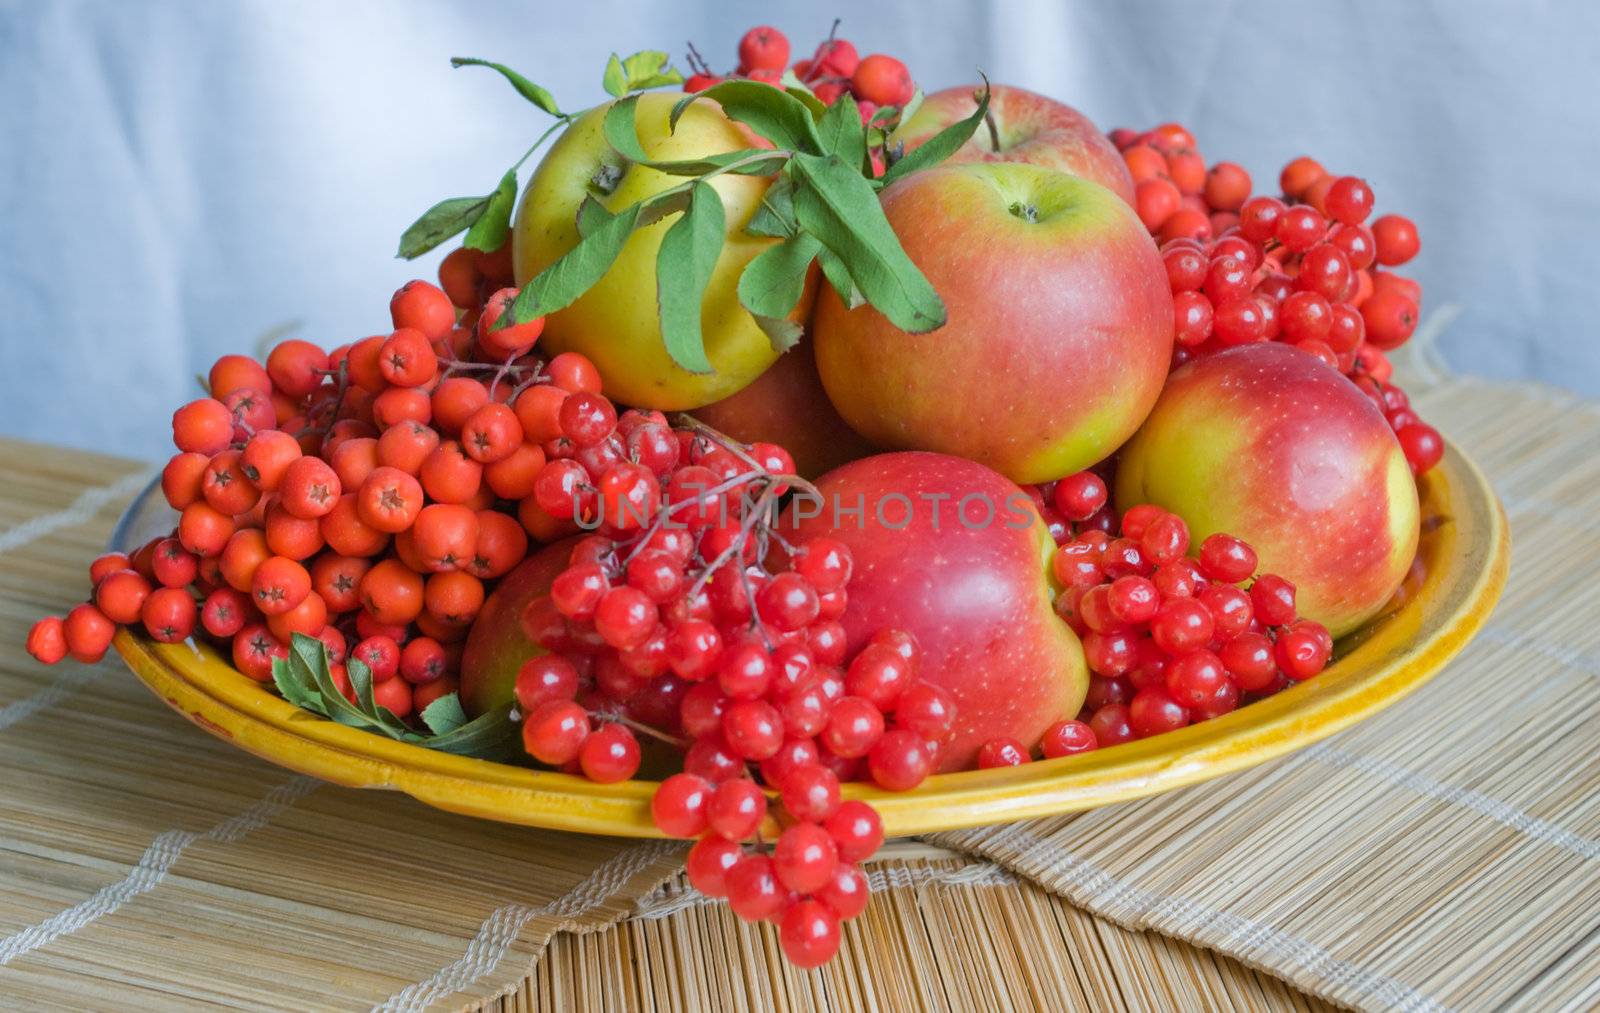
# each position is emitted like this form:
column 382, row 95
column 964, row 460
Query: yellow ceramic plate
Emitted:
column 1462, row 567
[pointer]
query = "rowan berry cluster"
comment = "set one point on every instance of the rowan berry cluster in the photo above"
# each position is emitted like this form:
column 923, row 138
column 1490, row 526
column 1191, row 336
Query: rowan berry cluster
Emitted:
column 1305, row 268
column 876, row 81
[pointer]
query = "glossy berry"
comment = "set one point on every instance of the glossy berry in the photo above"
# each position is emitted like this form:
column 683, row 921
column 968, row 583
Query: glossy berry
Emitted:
column 899, row 761
column 736, row 809
column 805, row 857
column 810, row 792
column 709, row 863
column 679, row 806
column 1002, row 753
column 754, row 892
column 856, row 829
column 1067, row 738
column 555, row 732
column 846, row 893
column 609, row 754
column 1181, row 625
column 1226, row 558
column 809, row 934
column 854, row 726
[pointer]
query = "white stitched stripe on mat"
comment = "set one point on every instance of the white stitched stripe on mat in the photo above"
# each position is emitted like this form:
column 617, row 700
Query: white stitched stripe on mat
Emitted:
column 70, row 680
column 152, row 868
column 80, row 511
column 1586, row 662
column 500, row 930
column 676, row 895
column 1477, row 801
column 1250, row 939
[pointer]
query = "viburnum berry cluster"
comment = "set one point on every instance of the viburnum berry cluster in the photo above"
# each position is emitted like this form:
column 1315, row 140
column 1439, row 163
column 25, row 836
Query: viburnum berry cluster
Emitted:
column 876, row 81
column 688, row 618
column 1305, row 268
column 1170, row 638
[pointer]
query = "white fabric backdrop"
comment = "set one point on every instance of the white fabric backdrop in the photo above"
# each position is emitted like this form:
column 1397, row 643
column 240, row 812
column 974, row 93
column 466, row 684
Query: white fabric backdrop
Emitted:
column 177, row 178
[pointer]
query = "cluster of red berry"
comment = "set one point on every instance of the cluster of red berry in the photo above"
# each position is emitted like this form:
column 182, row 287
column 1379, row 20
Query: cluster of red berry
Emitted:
column 875, row 81
column 1303, row 268
column 671, row 624
column 1169, row 639
column 350, row 496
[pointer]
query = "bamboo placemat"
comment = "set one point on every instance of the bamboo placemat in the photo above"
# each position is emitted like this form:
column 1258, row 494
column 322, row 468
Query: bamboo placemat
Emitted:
column 1442, row 853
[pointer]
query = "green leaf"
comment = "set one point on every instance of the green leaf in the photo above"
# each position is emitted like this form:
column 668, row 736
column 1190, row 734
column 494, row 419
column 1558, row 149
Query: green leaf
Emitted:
column 648, row 69
column 591, row 215
column 774, row 216
column 757, row 162
column 293, row 688
column 527, row 89
column 560, row 284
column 839, row 277
column 774, row 114
column 491, row 735
column 615, row 80
column 444, row 715
column 941, row 145
column 361, row 681
column 439, row 223
column 689, row 253
column 621, row 131
column 493, row 226
column 838, row 205
column 842, row 131
column 796, row 87
column 771, row 286
column 310, row 655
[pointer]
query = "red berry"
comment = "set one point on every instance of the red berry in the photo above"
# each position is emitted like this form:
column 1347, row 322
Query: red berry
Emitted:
column 555, row 732
column 854, row 726
column 709, row 862
column 927, row 710
column 753, row 728
column 856, row 829
column 1079, row 496
column 609, row 754
column 882, row 79
column 1301, row 653
column 879, row 675
column 763, row 48
column 1249, row 660
column 1153, row 710
column 805, row 857
column 846, row 893
column 810, row 792
column 809, row 934
column 754, row 892
column 1422, row 445
column 899, row 761
column 1348, row 200
column 1226, row 558
column 1066, row 738
column 679, row 805
column 1181, row 625
column 1002, row 753
column 47, row 640
column 736, row 809
column 1396, row 239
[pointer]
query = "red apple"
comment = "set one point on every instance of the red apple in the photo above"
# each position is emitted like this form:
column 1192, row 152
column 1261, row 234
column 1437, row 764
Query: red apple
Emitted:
column 786, row 405
column 1027, row 127
column 955, row 554
column 1272, row 445
column 497, row 647
column 1059, row 334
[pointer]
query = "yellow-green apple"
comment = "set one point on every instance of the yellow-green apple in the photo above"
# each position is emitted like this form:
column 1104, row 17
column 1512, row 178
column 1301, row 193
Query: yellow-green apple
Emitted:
column 1060, row 324
column 497, row 645
column 1023, row 127
column 1273, row 446
column 955, row 554
column 786, row 405
column 616, row 323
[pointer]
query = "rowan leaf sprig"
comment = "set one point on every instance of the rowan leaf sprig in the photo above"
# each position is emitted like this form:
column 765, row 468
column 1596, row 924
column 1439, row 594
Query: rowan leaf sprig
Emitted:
column 822, row 204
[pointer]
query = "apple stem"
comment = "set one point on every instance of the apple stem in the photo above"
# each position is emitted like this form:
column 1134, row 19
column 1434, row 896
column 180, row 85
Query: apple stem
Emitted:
column 994, row 131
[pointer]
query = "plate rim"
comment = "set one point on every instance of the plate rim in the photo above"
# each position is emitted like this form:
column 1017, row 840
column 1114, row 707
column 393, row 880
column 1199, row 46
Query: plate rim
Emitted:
column 210, row 693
